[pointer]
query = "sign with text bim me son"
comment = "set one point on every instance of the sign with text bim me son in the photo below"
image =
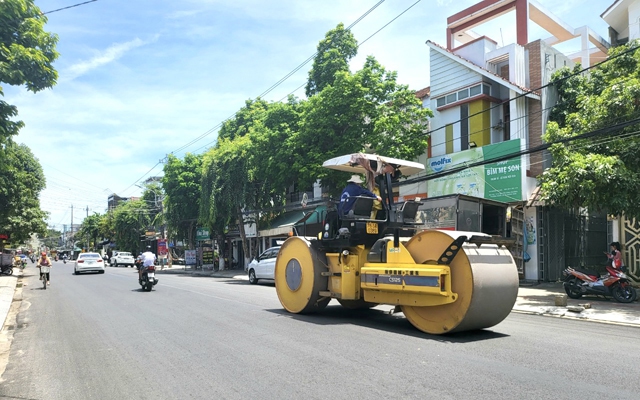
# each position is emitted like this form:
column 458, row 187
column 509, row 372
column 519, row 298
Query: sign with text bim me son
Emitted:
column 499, row 181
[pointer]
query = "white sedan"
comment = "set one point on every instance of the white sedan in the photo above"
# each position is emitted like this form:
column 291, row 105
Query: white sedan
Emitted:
column 89, row 262
column 264, row 267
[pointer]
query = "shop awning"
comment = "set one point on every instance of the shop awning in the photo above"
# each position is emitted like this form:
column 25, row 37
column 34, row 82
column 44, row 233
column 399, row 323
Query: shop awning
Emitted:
column 313, row 216
column 282, row 224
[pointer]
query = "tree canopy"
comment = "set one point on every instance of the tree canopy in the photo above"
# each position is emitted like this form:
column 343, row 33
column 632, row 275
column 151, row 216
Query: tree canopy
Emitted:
column 364, row 109
column 601, row 173
column 27, row 53
column 333, row 55
column 21, row 181
column 181, row 185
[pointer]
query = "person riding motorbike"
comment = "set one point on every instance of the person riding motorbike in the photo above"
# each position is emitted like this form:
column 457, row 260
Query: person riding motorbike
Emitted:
column 64, row 258
column 148, row 259
column 44, row 261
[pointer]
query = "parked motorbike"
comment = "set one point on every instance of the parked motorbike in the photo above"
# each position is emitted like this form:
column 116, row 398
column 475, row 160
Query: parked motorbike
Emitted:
column 613, row 284
column 148, row 279
column 6, row 269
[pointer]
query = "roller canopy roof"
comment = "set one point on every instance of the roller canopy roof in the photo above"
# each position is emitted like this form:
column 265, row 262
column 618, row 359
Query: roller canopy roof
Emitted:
column 349, row 163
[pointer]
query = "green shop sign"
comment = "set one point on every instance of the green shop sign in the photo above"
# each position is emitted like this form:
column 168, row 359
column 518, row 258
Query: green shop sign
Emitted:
column 202, row 234
column 499, row 181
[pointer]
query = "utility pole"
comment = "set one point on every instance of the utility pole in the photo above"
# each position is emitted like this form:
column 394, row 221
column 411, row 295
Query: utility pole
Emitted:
column 72, row 235
column 87, row 232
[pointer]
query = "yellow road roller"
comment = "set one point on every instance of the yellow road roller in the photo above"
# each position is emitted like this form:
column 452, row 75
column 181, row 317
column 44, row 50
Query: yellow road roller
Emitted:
column 443, row 281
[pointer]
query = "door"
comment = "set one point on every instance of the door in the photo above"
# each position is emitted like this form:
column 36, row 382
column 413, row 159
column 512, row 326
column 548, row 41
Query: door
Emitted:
column 261, row 271
column 270, row 264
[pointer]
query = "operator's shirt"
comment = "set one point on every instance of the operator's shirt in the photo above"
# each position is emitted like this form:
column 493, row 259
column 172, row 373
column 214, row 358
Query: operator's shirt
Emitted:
column 148, row 258
column 346, row 200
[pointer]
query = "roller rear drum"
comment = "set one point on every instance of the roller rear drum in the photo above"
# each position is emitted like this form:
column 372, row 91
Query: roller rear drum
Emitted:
column 484, row 277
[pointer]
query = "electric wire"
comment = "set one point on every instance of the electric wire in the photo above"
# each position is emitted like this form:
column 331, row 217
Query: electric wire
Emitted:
column 270, row 89
column 304, row 84
column 65, row 8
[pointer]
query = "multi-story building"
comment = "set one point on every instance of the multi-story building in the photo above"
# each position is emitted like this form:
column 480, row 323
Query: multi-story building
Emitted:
column 491, row 101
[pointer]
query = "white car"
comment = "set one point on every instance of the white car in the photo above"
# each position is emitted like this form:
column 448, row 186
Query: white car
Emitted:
column 122, row 258
column 88, row 262
column 264, row 267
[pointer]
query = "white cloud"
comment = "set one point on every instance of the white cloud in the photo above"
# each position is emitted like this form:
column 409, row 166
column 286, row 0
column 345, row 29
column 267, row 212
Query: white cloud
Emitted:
column 111, row 54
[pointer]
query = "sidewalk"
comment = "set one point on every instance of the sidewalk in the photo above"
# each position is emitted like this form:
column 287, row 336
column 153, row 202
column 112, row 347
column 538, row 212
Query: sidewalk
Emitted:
column 7, row 290
column 540, row 299
column 532, row 299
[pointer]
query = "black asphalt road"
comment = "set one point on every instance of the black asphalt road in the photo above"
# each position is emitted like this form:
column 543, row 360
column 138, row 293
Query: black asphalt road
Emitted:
column 100, row 337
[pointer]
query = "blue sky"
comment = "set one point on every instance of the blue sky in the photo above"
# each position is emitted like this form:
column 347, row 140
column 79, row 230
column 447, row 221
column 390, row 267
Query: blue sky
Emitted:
column 139, row 79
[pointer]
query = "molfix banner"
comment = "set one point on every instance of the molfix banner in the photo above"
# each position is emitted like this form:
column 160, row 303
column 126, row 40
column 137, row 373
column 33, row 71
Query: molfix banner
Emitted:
column 500, row 181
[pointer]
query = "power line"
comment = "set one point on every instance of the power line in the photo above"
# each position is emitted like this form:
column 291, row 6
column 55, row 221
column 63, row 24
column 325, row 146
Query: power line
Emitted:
column 270, row 89
column 65, row 8
column 601, row 131
column 310, row 58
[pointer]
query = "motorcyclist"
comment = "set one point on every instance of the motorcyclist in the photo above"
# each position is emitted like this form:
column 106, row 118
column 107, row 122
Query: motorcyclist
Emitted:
column 148, row 259
column 44, row 261
column 64, row 258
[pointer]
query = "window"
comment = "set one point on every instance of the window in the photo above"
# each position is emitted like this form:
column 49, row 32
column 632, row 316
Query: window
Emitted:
column 476, row 90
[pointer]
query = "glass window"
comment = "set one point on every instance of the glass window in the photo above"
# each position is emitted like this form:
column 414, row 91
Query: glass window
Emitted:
column 474, row 90
column 441, row 102
column 451, row 98
column 267, row 254
column 463, row 94
column 486, row 89
column 89, row 255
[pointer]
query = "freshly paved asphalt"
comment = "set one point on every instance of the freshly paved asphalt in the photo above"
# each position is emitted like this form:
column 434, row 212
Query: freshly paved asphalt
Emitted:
column 99, row 336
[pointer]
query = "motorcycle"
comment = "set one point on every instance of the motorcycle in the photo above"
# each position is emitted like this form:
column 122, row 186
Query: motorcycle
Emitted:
column 6, row 269
column 613, row 284
column 148, row 278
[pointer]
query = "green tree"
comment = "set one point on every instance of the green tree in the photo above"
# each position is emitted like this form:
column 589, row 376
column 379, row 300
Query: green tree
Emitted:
column 153, row 196
column 181, row 184
column 333, row 55
column 130, row 220
column 601, row 173
column 21, row 181
column 250, row 167
column 51, row 238
column 27, row 53
column 365, row 109
column 226, row 184
column 90, row 231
